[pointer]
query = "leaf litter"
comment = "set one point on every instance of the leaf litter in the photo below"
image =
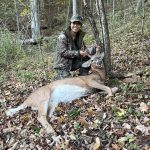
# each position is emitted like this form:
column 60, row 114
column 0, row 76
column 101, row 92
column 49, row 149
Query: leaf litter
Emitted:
column 88, row 123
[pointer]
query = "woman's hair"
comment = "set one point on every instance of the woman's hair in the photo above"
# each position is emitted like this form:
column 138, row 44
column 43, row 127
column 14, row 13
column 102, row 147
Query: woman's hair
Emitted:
column 69, row 26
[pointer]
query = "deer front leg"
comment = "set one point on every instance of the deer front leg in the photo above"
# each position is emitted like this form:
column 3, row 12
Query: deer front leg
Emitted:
column 100, row 86
column 42, row 117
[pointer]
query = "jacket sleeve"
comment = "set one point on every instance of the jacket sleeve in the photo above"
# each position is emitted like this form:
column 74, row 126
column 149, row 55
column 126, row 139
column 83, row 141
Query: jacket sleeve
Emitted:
column 62, row 48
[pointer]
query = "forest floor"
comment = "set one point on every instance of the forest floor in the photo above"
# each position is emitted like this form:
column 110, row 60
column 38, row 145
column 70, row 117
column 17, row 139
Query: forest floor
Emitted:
column 92, row 124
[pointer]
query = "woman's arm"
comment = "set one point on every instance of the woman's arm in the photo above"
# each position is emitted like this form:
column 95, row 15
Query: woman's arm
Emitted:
column 62, row 47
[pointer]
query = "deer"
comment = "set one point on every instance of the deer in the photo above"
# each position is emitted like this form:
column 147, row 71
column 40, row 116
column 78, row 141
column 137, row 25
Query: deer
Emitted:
column 46, row 98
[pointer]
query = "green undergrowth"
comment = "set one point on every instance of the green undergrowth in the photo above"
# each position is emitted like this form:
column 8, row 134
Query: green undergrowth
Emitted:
column 33, row 62
column 129, row 25
column 25, row 63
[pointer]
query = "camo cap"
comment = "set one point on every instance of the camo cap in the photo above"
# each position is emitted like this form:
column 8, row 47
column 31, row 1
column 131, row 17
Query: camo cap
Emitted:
column 76, row 18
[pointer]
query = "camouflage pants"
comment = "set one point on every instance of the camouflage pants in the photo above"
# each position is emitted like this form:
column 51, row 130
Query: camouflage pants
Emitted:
column 63, row 74
column 76, row 64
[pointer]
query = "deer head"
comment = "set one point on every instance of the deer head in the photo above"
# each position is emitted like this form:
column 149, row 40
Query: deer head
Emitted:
column 95, row 60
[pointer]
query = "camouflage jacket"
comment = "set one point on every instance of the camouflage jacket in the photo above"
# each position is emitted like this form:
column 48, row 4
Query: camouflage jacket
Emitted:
column 68, row 50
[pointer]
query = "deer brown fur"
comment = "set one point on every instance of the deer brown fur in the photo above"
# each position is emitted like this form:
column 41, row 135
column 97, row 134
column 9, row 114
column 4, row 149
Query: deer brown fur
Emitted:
column 46, row 98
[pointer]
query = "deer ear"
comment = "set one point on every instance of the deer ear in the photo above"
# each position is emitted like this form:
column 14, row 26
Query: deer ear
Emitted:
column 102, row 55
column 86, row 64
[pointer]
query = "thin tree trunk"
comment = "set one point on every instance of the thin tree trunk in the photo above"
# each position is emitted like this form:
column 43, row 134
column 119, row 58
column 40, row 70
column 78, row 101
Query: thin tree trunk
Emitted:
column 113, row 9
column 42, row 58
column 35, row 23
column 17, row 15
column 68, row 13
column 81, row 9
column 124, row 3
column 92, row 23
column 5, row 14
column 106, row 40
column 74, row 7
column 91, row 6
column 138, row 6
column 143, row 17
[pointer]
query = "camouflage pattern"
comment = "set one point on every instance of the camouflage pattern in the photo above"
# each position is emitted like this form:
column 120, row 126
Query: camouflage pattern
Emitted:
column 67, row 55
column 76, row 18
column 62, row 74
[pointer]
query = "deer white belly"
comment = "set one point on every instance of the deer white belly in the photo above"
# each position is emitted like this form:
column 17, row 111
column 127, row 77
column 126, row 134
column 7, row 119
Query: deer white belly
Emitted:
column 67, row 93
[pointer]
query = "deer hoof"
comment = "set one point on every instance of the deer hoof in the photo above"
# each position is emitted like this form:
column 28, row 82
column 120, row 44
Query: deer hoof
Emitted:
column 114, row 90
column 109, row 100
column 108, row 96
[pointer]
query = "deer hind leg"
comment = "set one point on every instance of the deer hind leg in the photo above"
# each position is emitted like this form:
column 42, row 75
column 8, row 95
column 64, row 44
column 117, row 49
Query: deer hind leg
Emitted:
column 12, row 111
column 42, row 117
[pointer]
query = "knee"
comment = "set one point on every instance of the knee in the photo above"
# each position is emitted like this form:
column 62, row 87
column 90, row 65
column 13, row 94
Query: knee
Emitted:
column 84, row 71
column 63, row 74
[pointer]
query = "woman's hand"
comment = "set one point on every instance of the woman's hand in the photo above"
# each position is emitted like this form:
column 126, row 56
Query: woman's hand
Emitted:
column 97, row 48
column 83, row 53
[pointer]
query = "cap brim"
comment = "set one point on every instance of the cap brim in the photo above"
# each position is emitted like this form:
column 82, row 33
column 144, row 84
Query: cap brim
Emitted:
column 75, row 21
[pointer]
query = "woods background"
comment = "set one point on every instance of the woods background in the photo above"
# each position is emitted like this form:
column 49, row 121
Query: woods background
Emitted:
column 27, row 49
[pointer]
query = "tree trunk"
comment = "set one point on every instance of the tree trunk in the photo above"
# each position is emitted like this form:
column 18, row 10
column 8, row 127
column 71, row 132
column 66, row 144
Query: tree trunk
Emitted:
column 139, row 5
column 68, row 13
column 17, row 15
column 105, row 33
column 80, row 8
column 124, row 3
column 35, row 22
column 74, row 7
column 142, row 30
column 92, row 23
column 113, row 9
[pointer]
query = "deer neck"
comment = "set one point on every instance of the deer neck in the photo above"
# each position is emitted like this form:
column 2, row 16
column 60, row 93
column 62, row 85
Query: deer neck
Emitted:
column 99, row 72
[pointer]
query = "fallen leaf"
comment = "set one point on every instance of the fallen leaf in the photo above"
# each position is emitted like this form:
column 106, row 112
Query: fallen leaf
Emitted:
column 119, row 132
column 90, row 110
column 60, row 119
column 121, row 112
column 115, row 147
column 84, row 131
column 97, row 144
column 104, row 116
column 146, row 119
column 126, row 126
column 122, row 140
column 6, row 93
column 145, row 130
column 72, row 137
column 83, row 122
column 143, row 107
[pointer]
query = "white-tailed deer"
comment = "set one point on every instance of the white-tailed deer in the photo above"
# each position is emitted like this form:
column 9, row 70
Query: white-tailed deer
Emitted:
column 46, row 98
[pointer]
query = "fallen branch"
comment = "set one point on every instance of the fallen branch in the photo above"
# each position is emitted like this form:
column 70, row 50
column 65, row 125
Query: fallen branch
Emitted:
column 14, row 146
column 28, row 42
column 119, row 75
column 11, row 129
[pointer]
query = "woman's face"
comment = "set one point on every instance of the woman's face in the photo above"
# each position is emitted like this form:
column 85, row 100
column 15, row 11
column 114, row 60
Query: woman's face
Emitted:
column 75, row 26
